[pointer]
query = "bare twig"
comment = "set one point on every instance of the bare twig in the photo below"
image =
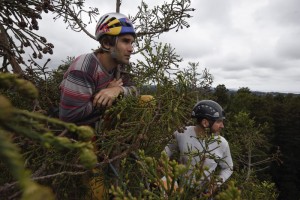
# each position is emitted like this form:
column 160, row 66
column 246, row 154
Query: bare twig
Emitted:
column 10, row 186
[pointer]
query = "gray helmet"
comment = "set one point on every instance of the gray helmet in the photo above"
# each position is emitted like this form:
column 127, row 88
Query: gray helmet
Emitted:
column 208, row 109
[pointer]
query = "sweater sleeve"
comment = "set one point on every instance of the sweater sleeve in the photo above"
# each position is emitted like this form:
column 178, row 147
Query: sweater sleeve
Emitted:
column 76, row 94
column 130, row 90
column 128, row 87
column 172, row 147
column 226, row 163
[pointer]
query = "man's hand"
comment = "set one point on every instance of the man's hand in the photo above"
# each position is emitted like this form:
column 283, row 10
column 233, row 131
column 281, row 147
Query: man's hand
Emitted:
column 115, row 83
column 106, row 97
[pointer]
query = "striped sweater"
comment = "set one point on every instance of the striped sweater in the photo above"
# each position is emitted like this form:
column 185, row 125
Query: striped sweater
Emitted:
column 84, row 78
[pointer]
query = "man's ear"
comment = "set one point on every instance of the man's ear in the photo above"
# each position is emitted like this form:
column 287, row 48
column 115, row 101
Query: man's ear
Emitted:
column 105, row 44
column 205, row 123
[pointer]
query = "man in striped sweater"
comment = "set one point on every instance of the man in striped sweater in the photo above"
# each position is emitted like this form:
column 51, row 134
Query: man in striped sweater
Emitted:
column 94, row 80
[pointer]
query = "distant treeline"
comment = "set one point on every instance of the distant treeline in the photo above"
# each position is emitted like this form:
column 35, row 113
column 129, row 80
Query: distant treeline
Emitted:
column 281, row 112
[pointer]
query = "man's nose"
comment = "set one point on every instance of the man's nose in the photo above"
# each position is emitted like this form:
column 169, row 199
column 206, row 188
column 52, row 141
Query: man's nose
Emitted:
column 131, row 48
column 222, row 125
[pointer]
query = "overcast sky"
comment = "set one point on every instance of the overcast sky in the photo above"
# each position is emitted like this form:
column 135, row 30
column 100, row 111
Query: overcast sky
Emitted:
column 243, row 43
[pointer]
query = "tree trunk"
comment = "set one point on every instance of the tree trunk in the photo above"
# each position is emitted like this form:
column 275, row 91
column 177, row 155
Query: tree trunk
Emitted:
column 249, row 164
column 118, row 5
column 5, row 47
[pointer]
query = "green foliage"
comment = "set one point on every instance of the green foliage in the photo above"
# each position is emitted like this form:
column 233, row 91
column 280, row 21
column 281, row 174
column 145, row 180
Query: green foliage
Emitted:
column 221, row 96
column 131, row 125
column 59, row 155
column 256, row 189
column 19, row 124
column 280, row 113
column 9, row 153
column 232, row 193
column 159, row 178
column 24, row 87
column 286, row 116
column 249, row 143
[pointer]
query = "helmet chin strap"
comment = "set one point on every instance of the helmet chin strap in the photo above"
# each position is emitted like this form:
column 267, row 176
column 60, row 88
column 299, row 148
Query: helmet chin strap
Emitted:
column 105, row 49
column 113, row 53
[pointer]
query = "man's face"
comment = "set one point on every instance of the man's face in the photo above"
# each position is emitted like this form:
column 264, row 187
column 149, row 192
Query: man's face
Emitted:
column 217, row 126
column 123, row 49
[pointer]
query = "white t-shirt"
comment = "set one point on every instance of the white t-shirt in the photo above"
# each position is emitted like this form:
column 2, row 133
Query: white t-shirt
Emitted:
column 217, row 150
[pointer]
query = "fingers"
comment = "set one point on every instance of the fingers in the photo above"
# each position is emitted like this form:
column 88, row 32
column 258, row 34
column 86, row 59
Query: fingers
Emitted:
column 110, row 102
column 100, row 100
column 96, row 100
column 120, row 82
column 106, row 97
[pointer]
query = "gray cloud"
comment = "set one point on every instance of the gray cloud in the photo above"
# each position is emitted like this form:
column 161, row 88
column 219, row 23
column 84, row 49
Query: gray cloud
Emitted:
column 213, row 11
column 288, row 46
column 283, row 13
